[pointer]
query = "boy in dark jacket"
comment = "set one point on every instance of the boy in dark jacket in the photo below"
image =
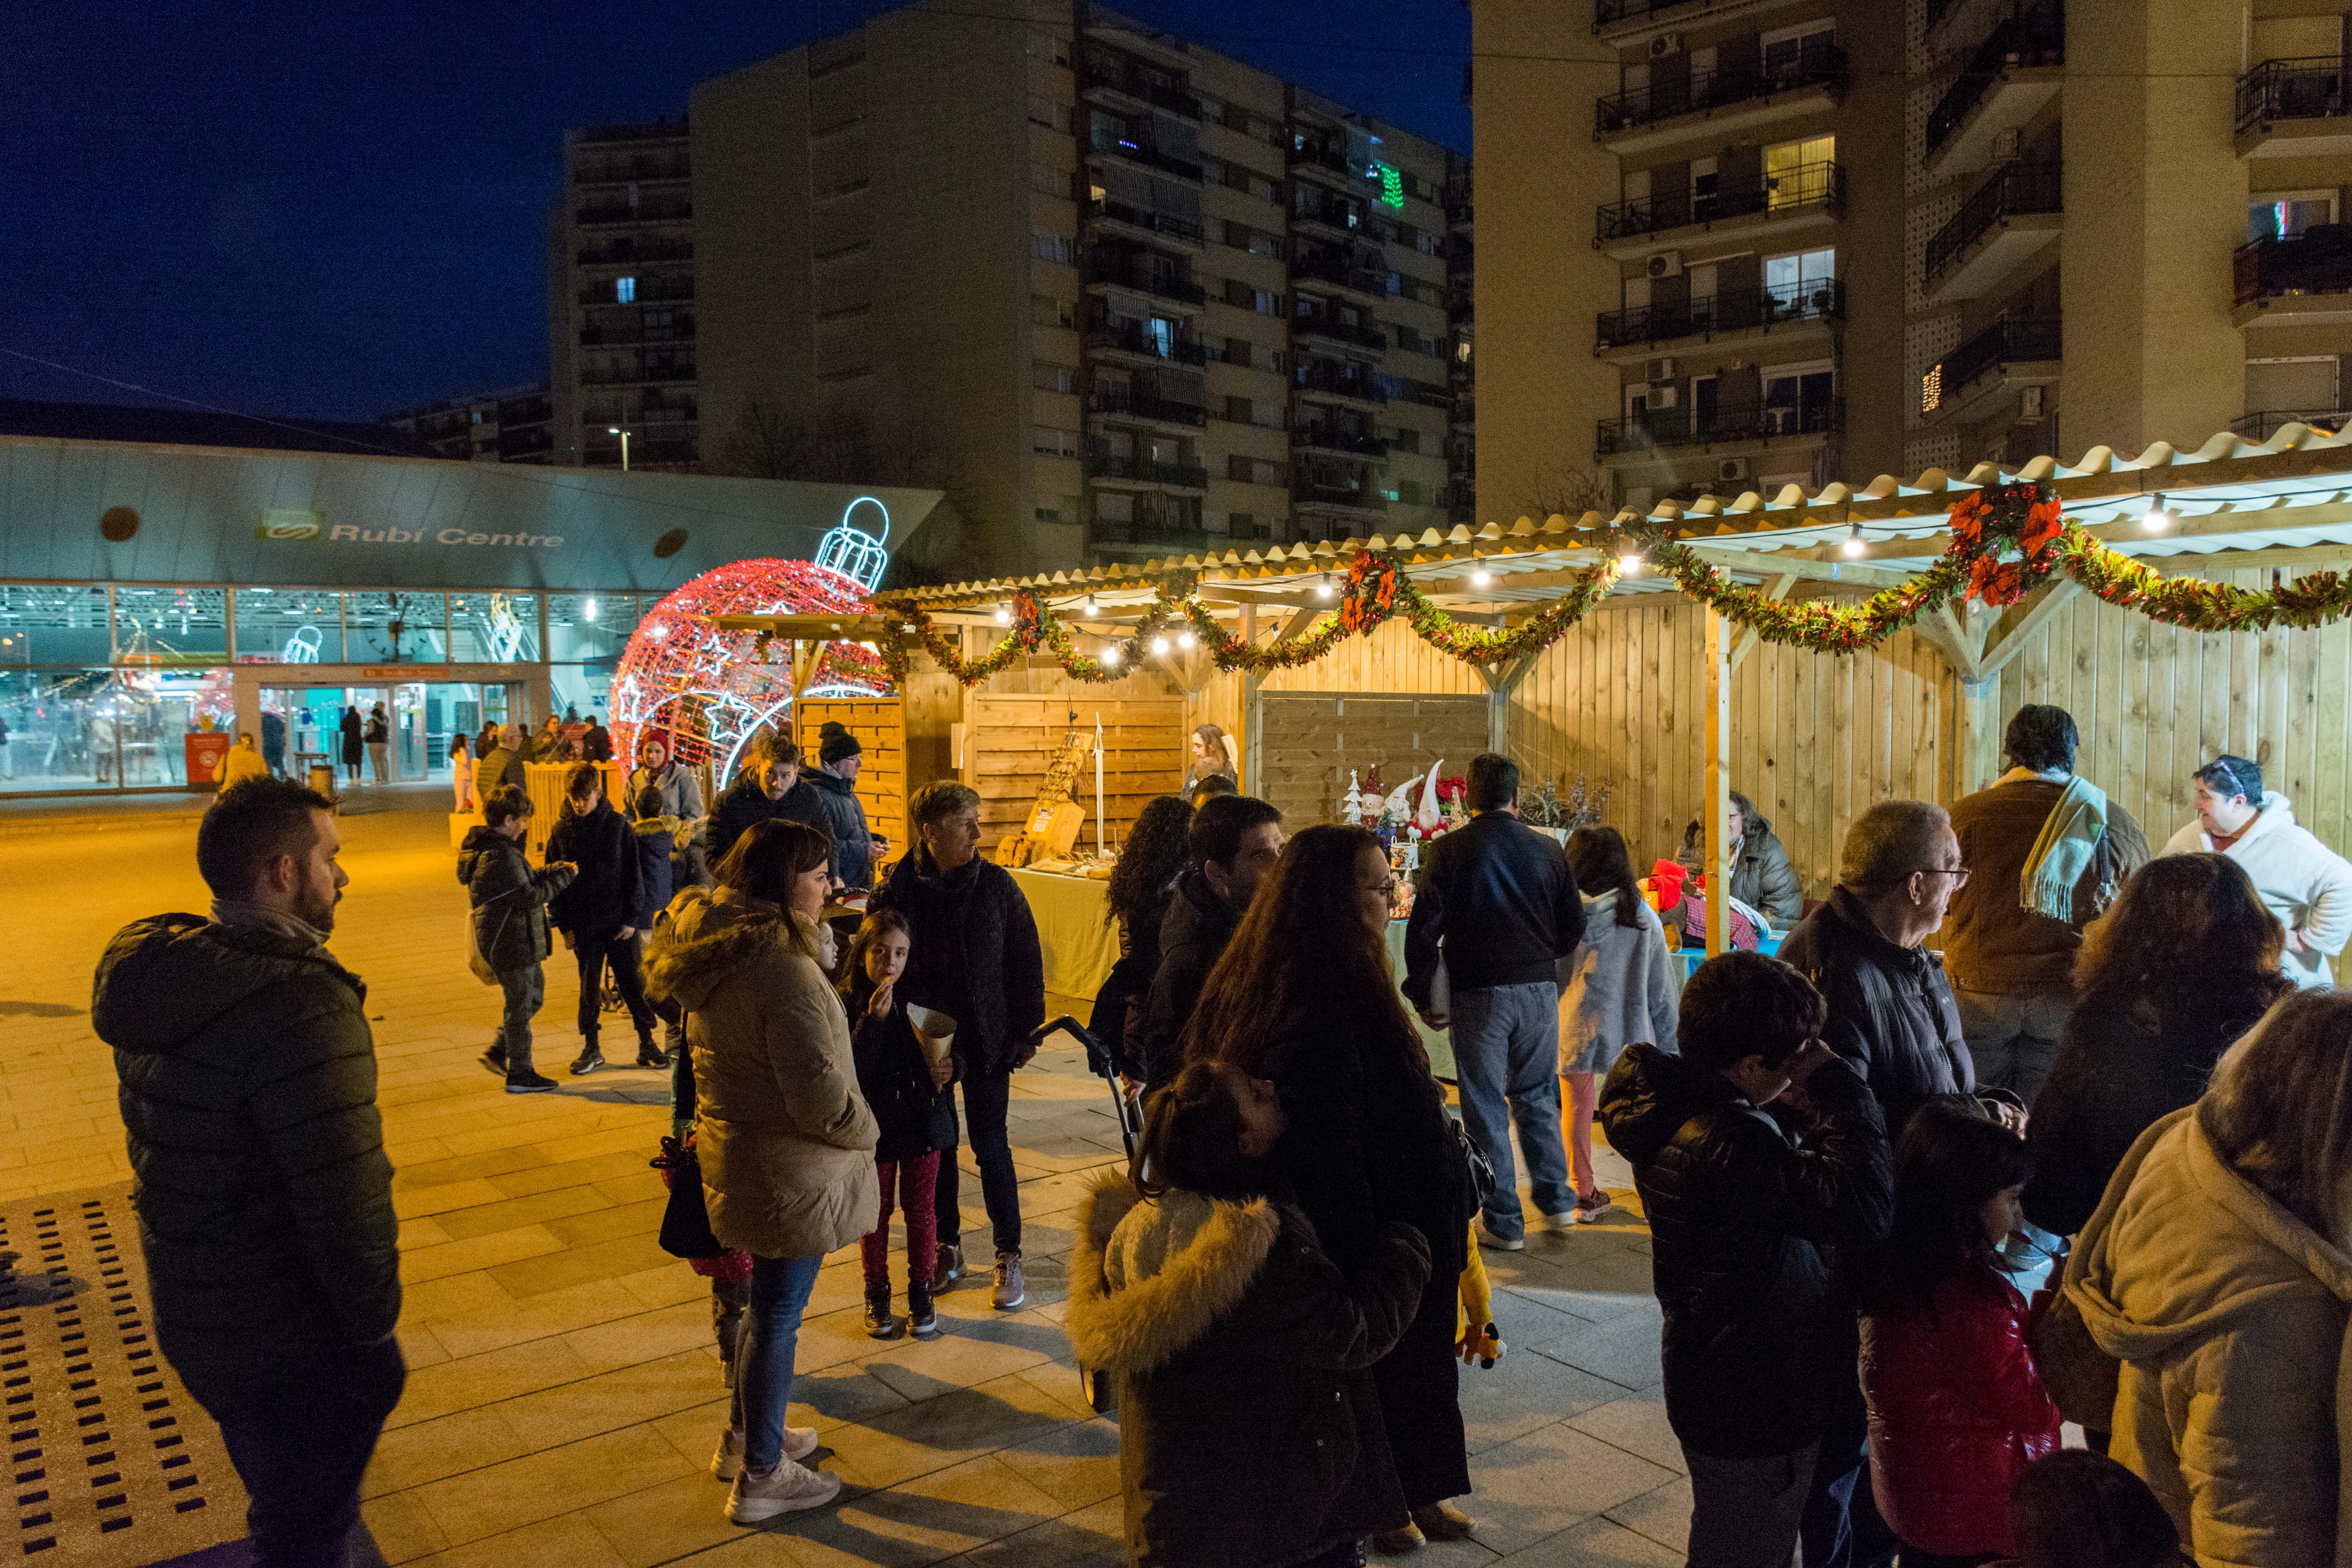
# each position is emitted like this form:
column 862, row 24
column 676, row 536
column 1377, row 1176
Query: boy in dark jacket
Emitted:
column 907, row 1090
column 661, row 840
column 1759, row 1349
column 598, row 913
column 509, row 912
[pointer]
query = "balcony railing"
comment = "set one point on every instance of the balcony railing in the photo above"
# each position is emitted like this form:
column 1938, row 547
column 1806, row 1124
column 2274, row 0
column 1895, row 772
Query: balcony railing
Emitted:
column 1330, row 439
column 1364, row 497
column 2263, row 426
column 608, row 170
column 1713, row 315
column 1121, row 272
column 674, row 209
column 1169, row 224
column 2019, row 189
column 1666, row 427
column 1804, row 189
column 1314, row 205
column 1143, row 152
column 1110, row 465
column 1320, row 155
column 1340, row 274
column 1324, row 324
column 2319, row 261
column 595, row 337
column 1173, row 538
column 1135, row 338
column 1118, row 76
column 1608, row 13
column 2036, row 38
column 628, row 375
column 1365, row 387
column 2009, row 340
column 2314, row 87
column 648, row 291
column 627, row 248
column 1818, row 63
column 1143, row 405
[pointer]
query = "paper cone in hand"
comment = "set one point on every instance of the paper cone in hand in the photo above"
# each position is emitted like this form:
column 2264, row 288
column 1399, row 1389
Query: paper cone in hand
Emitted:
column 934, row 1030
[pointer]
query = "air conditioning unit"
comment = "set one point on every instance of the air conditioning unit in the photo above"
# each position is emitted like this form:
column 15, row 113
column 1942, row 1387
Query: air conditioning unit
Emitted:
column 1666, row 44
column 1731, row 468
column 1666, row 264
column 1660, row 370
column 2004, row 144
column 1663, row 397
column 2029, row 405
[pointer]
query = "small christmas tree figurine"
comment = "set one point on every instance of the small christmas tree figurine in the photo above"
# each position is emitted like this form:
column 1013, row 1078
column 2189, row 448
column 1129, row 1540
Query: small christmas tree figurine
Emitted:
column 1352, row 809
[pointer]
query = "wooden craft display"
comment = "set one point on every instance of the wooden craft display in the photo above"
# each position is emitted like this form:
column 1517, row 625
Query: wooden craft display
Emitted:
column 1012, row 740
column 1053, row 824
column 1310, row 741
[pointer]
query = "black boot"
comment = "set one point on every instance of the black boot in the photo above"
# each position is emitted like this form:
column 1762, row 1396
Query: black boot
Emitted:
column 650, row 1054
column 879, row 1323
column 590, row 1061
column 922, row 1320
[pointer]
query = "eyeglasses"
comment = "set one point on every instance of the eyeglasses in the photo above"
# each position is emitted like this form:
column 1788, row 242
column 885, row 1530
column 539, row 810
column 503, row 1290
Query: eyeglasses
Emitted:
column 1958, row 872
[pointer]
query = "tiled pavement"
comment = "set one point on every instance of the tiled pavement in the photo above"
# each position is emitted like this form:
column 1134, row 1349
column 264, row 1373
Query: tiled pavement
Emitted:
column 564, row 1396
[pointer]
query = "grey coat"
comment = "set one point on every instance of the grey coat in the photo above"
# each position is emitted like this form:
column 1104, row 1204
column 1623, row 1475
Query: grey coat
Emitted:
column 1615, row 988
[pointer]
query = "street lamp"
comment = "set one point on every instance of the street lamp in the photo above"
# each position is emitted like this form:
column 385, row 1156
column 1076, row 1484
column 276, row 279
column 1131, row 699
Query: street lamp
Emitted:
column 623, row 434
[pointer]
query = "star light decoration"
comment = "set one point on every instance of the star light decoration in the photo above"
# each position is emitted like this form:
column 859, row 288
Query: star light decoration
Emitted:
column 713, row 690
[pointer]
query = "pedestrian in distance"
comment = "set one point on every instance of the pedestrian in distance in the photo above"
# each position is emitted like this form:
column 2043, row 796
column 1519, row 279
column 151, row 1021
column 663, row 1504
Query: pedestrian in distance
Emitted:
column 1615, row 992
column 1759, row 1349
column 1956, row 1409
column 2304, row 882
column 2217, row 1274
column 355, row 746
column 785, row 1140
column 1498, row 907
column 2185, row 963
column 1142, row 887
column 273, row 742
column 461, row 773
column 595, row 742
column 378, row 736
column 501, row 765
column 1304, row 998
column 1231, row 843
column 1249, row 1425
column 856, row 848
column 907, row 1090
column 976, row 958
column 508, row 900
column 598, row 913
column 247, row 1083
column 242, row 761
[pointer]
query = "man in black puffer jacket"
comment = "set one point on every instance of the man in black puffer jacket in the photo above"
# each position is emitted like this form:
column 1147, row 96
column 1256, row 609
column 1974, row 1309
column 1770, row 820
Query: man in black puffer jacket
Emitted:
column 247, row 1082
column 1232, row 843
column 1758, row 1348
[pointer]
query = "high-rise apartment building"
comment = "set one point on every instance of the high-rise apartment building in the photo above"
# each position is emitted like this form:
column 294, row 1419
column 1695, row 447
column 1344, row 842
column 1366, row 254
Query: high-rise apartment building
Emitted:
column 620, row 297
column 1830, row 239
column 1121, row 296
column 514, row 425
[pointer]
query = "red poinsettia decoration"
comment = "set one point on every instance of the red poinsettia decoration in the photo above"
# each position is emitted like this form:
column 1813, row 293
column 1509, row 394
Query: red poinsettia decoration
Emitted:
column 2006, row 535
column 1370, row 595
column 1996, row 582
column 1450, row 789
column 1026, row 617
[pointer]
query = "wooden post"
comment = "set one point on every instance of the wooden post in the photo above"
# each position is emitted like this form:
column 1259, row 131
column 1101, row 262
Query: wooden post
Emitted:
column 1718, row 719
column 1977, row 748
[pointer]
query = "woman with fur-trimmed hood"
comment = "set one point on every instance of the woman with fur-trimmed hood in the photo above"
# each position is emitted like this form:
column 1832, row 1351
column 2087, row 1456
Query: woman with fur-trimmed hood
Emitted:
column 1250, row 1433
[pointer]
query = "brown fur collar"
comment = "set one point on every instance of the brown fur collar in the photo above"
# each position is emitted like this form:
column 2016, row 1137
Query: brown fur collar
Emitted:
column 1142, row 1325
column 703, row 936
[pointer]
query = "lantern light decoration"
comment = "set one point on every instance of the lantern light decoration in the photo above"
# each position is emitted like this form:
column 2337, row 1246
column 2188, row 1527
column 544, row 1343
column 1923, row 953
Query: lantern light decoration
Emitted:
column 711, row 691
column 854, row 553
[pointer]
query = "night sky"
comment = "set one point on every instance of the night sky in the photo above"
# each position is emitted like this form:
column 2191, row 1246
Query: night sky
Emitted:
column 335, row 211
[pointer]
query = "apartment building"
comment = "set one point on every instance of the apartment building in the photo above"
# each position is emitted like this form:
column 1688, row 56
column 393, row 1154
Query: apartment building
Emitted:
column 621, row 331
column 514, row 425
column 1120, row 295
column 1832, row 240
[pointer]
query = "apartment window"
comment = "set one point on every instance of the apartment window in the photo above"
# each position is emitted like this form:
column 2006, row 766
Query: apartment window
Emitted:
column 1242, row 525
column 1058, row 248
column 1242, row 469
column 1239, row 410
column 1787, row 49
column 2284, row 215
column 1050, row 313
column 1796, row 398
column 1237, row 351
column 1045, row 46
column 1797, row 173
column 1212, row 109
column 1049, row 514
column 1273, row 361
column 1409, row 491
column 1048, row 182
column 1051, row 443
column 1425, row 243
column 1790, row 280
column 1054, row 377
column 624, row 290
column 1407, row 440
column 1044, row 112
column 1263, row 303
column 1706, row 181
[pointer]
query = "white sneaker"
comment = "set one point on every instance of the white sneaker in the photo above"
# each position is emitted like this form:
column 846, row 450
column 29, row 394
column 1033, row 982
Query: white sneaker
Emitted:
column 800, row 1442
column 788, row 1488
column 727, row 1463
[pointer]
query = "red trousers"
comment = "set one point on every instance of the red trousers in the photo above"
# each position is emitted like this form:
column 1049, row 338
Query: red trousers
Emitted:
column 915, row 1182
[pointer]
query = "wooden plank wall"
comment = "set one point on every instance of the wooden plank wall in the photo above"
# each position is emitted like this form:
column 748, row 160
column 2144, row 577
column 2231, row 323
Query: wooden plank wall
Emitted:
column 880, row 725
column 1313, row 742
column 1009, row 738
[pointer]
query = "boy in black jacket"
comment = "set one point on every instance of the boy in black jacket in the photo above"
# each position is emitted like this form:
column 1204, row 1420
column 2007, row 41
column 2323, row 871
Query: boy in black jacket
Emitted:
column 660, row 841
column 598, row 913
column 509, row 912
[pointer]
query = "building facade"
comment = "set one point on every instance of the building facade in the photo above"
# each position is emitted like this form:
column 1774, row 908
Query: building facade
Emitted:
column 1830, row 237
column 1120, row 295
column 515, row 425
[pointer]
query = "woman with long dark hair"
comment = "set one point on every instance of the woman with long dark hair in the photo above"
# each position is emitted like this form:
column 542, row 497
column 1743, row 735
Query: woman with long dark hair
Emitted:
column 2185, row 962
column 1141, row 883
column 1304, row 996
column 1956, row 1407
column 1616, row 992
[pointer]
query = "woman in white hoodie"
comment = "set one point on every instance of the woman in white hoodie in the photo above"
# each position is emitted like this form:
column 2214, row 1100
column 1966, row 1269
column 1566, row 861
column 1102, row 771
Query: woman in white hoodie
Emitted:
column 1614, row 992
column 2304, row 882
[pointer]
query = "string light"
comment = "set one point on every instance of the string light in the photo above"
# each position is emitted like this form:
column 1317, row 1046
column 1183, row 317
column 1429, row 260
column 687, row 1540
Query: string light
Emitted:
column 2157, row 520
column 1854, row 545
column 1110, row 654
column 1629, row 566
column 1183, row 639
column 1323, row 588
column 1481, row 577
column 588, row 611
column 1160, row 645
column 1004, row 618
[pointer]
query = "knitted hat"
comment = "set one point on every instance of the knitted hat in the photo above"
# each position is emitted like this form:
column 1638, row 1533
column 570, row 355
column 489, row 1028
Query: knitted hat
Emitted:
column 834, row 742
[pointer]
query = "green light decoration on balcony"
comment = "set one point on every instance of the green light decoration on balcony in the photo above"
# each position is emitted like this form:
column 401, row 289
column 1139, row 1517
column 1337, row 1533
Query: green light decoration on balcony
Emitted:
column 1392, row 185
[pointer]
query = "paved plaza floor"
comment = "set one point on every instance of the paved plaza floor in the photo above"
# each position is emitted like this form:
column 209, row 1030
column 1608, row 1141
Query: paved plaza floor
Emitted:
column 564, row 1396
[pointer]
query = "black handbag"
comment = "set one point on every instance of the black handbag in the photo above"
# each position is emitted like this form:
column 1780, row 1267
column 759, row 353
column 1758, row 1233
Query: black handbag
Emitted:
column 686, row 1219
column 1478, row 1171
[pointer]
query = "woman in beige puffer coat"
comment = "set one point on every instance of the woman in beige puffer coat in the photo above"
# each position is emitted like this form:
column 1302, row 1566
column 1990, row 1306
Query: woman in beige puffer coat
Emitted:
column 2218, row 1273
column 785, row 1140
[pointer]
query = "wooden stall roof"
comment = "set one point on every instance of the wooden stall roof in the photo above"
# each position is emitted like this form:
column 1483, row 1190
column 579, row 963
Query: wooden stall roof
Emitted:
column 2260, row 504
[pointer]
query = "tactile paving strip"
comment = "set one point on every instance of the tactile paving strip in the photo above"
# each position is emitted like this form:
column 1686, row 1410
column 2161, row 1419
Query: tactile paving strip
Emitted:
column 109, row 1463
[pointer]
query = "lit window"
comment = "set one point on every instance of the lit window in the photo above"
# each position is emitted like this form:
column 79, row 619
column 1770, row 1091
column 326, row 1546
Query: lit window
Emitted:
column 624, row 290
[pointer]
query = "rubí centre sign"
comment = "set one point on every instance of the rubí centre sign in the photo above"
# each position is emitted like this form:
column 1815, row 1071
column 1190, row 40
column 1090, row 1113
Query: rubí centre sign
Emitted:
column 281, row 525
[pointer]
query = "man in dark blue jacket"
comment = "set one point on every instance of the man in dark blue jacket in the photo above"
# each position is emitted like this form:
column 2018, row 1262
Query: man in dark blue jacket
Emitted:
column 1499, row 909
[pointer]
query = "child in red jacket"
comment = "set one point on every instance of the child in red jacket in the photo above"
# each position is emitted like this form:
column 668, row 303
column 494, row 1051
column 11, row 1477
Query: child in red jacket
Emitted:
column 1956, row 1409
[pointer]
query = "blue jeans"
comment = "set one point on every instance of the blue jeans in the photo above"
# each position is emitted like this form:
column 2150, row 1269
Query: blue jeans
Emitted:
column 1507, row 1053
column 764, row 1358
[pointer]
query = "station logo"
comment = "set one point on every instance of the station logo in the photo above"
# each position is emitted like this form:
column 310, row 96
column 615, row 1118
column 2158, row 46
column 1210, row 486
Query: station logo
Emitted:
column 286, row 522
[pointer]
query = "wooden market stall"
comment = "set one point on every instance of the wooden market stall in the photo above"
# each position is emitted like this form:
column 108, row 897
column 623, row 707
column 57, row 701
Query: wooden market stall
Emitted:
column 1011, row 739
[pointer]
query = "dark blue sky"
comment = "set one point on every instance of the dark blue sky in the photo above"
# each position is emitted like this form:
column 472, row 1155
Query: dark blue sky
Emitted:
column 336, row 210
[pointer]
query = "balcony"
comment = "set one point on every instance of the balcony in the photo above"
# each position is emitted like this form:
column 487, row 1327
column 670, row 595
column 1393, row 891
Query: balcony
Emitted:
column 1119, row 79
column 654, row 209
column 1664, row 429
column 644, row 168
column 1134, row 403
column 2270, row 421
column 1361, row 495
column 1995, row 366
column 1143, row 222
column 1102, row 463
column 1997, row 234
column 648, row 291
column 2303, row 282
column 1154, row 537
column 653, row 371
column 595, row 337
column 626, row 249
column 1136, row 151
column 2005, row 83
column 1322, row 379
column 1720, row 101
column 2295, row 108
column 1142, row 340
column 1800, row 196
column 1320, row 437
column 1335, row 215
column 1329, row 327
column 1312, row 155
column 1118, row 271
column 1782, row 310
column 1342, row 273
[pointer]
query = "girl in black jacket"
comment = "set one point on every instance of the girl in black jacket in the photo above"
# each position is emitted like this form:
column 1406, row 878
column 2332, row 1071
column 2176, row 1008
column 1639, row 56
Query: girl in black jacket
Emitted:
column 598, row 913
column 908, row 1092
column 1249, row 1431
